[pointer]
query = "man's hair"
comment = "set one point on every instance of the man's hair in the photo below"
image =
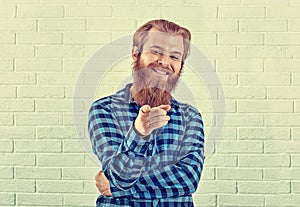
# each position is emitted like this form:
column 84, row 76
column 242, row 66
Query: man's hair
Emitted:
column 139, row 37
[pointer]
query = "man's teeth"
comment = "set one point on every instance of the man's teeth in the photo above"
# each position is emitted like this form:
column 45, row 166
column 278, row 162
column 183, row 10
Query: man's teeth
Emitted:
column 160, row 72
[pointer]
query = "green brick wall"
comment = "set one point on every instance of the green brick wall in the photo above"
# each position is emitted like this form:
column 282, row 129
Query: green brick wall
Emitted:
column 254, row 46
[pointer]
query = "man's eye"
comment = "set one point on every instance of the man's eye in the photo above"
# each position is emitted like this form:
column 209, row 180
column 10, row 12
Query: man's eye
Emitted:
column 156, row 52
column 174, row 57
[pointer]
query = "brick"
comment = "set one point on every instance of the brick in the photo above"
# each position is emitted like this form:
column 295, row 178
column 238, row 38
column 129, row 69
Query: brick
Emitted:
column 240, row 147
column 247, row 119
column 282, row 38
column 281, row 146
column 64, row 2
column 265, row 106
column 19, row 1
column 60, row 160
column 240, row 65
column 161, row 2
column 208, row 174
column 40, row 119
column 283, row 12
column 36, row 38
column 295, row 79
column 264, row 79
column 261, row 52
column 263, row 25
column 40, row 11
column 140, row 11
column 65, row 51
column 211, row 2
column 264, row 187
column 16, row 105
column 91, row 159
column 81, row 119
column 16, row 159
column 108, row 24
column 17, row 24
column 239, row 174
column 38, row 65
column 283, row 93
column 6, row 119
column 41, row 92
column 6, row 146
column 38, row 173
column 60, row 132
column 16, row 78
column 17, row 132
column 282, row 200
column 35, row 199
column 84, row 91
column 73, row 65
column 241, row 200
column 295, row 160
column 16, row 51
column 206, row 106
column 110, row 2
column 89, row 187
column 295, row 133
column 7, row 199
column 71, row 146
column 79, row 200
column 6, row 172
column 293, row 52
column 282, row 120
column 207, row 200
column 94, row 38
column 56, row 105
column 211, row 25
column 294, row 25
column 263, row 133
column 60, row 186
column 228, row 133
column 241, row 12
column 221, row 52
column 204, row 38
column 88, row 11
column 6, row 64
column 240, row 39
column 7, row 11
column 281, row 65
column 265, row 161
column 62, row 24
column 265, row 2
column 276, row 174
column 295, row 187
column 38, row 146
column 17, row 186
column 79, row 173
column 244, row 92
column 218, row 160
column 7, row 92
column 7, row 37
column 58, row 78
column 190, row 12
column 216, row 186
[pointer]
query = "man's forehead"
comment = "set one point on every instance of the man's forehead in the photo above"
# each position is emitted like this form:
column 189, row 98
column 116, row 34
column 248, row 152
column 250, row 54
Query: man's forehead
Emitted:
column 164, row 40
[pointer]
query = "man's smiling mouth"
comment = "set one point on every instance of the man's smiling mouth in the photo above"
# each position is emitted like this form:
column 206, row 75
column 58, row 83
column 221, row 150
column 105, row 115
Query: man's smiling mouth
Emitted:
column 160, row 71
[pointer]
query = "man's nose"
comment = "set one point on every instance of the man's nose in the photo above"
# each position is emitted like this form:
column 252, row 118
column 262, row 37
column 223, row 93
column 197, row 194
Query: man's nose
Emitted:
column 163, row 60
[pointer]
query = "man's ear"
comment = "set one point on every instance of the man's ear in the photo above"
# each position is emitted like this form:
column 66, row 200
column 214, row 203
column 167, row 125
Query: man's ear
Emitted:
column 134, row 53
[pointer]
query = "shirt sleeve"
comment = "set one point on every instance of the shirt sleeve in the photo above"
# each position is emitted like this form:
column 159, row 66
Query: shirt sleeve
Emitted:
column 122, row 156
column 181, row 178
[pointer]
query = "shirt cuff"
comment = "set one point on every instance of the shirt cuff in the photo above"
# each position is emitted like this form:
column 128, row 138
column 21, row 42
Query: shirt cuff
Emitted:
column 136, row 143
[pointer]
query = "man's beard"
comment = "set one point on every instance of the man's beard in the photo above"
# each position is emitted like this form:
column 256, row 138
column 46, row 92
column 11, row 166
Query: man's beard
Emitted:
column 149, row 88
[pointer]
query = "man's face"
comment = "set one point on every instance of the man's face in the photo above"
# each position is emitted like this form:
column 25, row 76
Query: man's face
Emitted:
column 157, row 69
column 162, row 49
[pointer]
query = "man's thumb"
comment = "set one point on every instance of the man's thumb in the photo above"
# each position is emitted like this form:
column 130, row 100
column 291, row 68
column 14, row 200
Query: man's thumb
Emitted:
column 145, row 108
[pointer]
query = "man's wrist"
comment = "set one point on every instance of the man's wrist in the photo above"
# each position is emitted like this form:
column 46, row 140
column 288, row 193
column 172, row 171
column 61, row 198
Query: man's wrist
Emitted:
column 145, row 137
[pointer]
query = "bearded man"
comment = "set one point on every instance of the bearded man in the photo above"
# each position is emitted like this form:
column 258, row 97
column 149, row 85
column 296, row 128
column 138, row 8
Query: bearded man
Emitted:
column 151, row 146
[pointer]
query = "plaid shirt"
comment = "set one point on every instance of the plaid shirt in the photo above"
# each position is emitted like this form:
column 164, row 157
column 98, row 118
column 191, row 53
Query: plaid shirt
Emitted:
column 163, row 170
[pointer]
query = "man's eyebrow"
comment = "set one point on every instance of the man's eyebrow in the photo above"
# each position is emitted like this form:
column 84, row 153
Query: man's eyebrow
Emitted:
column 160, row 48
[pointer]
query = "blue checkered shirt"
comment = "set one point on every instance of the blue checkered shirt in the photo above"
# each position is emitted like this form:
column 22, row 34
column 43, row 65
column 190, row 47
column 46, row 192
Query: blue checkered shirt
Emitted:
column 163, row 169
